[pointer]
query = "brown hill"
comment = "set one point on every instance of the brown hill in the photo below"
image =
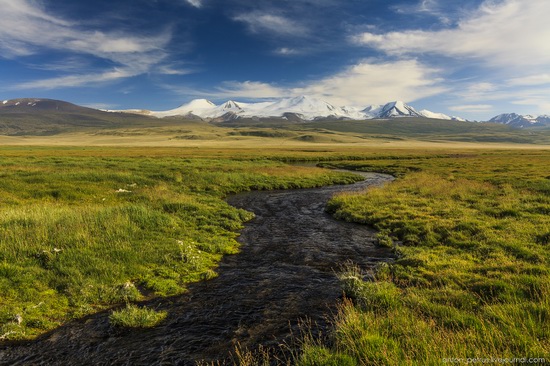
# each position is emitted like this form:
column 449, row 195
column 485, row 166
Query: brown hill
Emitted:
column 39, row 116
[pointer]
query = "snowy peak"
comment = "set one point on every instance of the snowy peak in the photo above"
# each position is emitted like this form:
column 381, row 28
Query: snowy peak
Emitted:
column 301, row 108
column 520, row 121
column 194, row 107
column 196, row 104
column 230, row 105
column 304, row 106
column 428, row 114
column 397, row 109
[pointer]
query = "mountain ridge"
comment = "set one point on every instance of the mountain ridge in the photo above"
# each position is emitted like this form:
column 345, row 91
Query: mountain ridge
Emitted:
column 521, row 120
column 301, row 107
column 293, row 109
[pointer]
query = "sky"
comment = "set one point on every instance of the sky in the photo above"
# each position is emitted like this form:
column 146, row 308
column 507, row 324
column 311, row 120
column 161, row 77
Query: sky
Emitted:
column 470, row 58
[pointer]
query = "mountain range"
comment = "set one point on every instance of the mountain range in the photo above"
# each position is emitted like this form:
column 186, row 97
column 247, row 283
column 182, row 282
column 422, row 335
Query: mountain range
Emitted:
column 16, row 112
column 297, row 108
column 521, row 121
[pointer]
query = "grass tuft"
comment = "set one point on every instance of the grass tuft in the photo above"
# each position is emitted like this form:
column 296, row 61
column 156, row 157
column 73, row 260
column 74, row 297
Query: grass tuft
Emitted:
column 133, row 316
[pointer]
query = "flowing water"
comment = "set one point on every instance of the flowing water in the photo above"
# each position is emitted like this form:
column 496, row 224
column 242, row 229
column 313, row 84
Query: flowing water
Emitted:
column 284, row 274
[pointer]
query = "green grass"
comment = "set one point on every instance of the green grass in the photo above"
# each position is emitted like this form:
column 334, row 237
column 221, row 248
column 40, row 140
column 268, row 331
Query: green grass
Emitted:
column 433, row 130
column 473, row 274
column 80, row 232
column 84, row 229
column 135, row 317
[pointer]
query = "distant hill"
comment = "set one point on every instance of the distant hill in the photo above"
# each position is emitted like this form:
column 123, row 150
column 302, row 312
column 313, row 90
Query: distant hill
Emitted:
column 39, row 116
column 33, row 105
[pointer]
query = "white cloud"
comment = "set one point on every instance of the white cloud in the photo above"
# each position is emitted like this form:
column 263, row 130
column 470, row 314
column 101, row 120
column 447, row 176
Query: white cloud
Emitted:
column 374, row 83
column 77, row 80
column 250, row 89
column 265, row 22
column 477, row 91
column 501, row 45
column 365, row 83
column 28, row 29
column 539, row 79
column 503, row 33
column 472, row 108
column 172, row 70
column 285, row 51
column 429, row 7
column 195, row 3
column 539, row 103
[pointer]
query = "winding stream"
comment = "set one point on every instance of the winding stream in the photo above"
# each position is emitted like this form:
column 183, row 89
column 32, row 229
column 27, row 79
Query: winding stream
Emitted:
column 284, row 274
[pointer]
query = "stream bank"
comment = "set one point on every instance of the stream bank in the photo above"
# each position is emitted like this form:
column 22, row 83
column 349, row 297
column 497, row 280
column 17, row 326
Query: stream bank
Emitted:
column 284, row 274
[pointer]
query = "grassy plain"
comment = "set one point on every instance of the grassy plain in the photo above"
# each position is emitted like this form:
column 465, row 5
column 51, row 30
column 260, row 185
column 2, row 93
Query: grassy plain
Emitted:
column 275, row 134
column 83, row 229
column 472, row 230
column 85, row 224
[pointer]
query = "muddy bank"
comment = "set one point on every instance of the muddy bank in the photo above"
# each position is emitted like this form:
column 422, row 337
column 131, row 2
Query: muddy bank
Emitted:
column 284, row 273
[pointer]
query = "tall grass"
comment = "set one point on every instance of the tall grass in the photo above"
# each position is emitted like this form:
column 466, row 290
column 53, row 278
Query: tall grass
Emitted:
column 82, row 233
column 473, row 275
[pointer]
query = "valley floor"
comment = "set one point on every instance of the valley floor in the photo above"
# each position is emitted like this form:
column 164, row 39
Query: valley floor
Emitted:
column 86, row 227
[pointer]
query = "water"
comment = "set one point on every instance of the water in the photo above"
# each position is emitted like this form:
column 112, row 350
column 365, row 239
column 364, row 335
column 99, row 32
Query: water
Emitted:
column 284, row 274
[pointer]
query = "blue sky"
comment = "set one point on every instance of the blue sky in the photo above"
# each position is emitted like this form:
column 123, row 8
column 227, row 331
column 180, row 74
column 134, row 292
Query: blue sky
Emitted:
column 471, row 58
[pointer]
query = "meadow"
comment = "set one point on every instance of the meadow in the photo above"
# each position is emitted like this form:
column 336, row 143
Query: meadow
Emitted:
column 86, row 228
column 82, row 230
column 472, row 281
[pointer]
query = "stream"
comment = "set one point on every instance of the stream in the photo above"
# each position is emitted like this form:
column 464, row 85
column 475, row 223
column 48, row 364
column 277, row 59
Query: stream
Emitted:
column 284, row 275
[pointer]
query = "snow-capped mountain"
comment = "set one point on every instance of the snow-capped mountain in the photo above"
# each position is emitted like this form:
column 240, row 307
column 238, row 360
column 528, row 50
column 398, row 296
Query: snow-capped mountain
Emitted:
column 400, row 109
column 521, row 121
column 303, row 107
column 426, row 113
column 196, row 107
column 391, row 110
column 306, row 108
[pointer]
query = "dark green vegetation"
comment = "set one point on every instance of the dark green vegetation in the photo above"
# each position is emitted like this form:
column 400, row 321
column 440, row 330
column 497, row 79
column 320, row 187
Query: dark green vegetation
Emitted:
column 84, row 229
column 473, row 278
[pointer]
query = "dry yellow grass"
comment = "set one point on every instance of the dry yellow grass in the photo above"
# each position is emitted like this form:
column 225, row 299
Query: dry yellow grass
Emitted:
column 213, row 141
